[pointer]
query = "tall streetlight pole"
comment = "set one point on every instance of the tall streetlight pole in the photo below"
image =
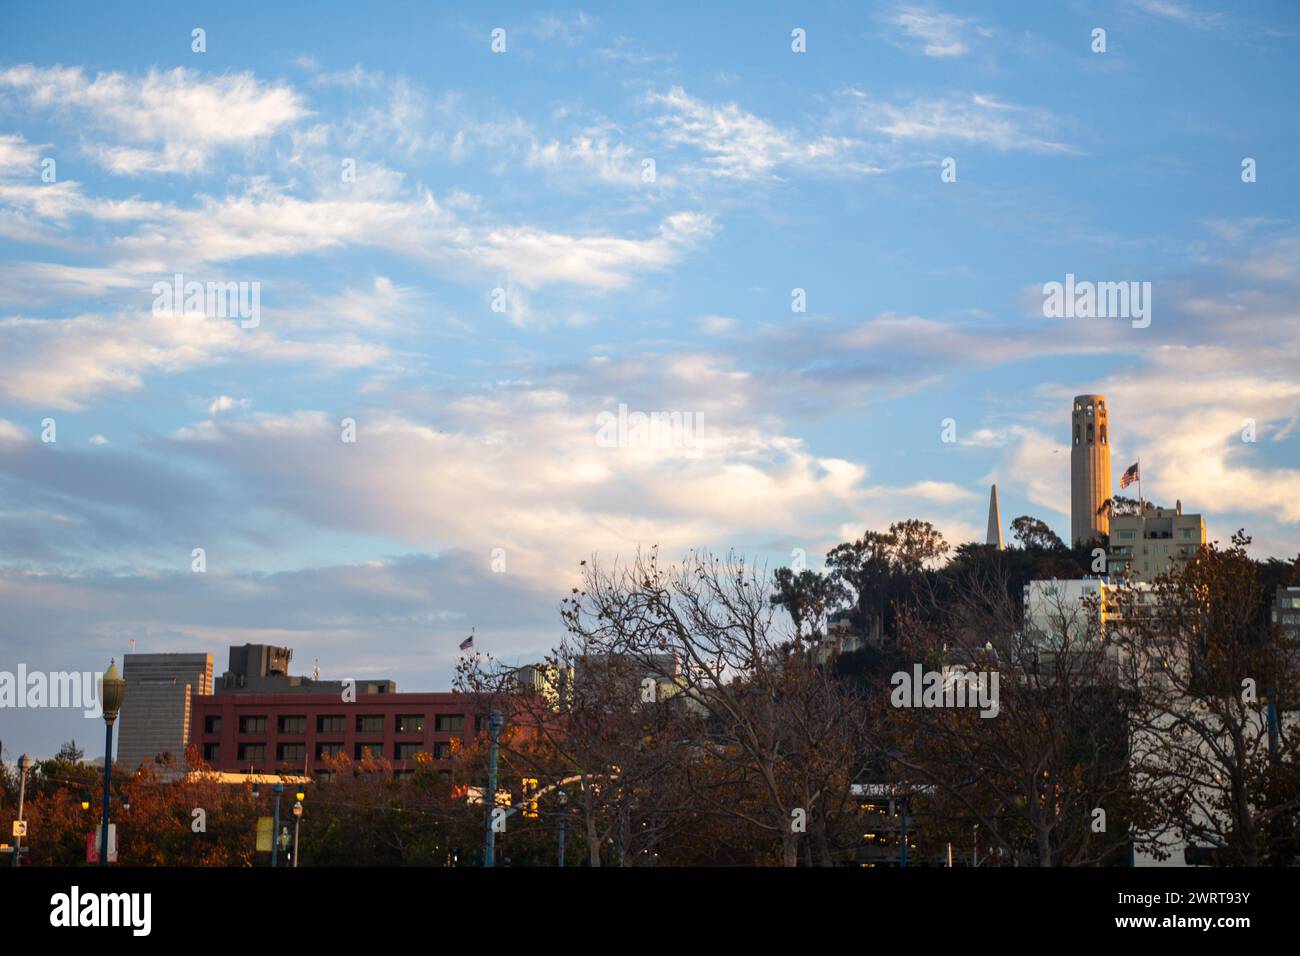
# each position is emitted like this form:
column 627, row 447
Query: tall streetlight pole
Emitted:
column 564, row 806
column 111, row 694
column 22, row 792
column 297, row 821
column 495, row 723
column 275, row 839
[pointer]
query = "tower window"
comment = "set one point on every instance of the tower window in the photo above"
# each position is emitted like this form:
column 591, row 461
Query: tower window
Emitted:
column 1103, row 434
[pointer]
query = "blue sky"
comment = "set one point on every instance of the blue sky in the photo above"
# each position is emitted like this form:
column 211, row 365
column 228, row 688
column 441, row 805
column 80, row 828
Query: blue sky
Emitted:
column 523, row 171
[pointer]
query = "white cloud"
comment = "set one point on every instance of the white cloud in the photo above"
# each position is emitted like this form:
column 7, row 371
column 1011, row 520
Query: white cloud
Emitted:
column 973, row 119
column 17, row 155
column 225, row 403
column 1180, row 13
column 165, row 121
column 715, row 324
column 938, row 34
column 739, row 145
column 588, row 155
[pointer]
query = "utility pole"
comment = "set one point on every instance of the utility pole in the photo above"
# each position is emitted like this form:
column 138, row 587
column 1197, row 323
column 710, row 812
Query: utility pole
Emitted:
column 22, row 792
column 275, row 829
column 564, row 806
column 495, row 723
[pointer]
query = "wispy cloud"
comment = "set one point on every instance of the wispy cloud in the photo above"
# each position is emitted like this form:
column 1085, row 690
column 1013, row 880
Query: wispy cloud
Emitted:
column 1180, row 13
column 162, row 122
column 737, row 144
column 935, row 33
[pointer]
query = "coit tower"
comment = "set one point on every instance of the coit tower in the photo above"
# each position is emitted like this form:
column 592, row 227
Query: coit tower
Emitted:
column 1089, row 469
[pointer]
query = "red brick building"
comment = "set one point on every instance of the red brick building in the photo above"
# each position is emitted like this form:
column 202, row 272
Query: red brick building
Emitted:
column 297, row 732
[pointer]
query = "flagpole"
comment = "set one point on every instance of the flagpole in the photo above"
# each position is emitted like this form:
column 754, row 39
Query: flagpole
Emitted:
column 1141, row 505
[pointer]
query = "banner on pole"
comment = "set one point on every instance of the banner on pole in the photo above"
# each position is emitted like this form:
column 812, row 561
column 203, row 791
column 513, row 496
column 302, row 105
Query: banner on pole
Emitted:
column 265, row 834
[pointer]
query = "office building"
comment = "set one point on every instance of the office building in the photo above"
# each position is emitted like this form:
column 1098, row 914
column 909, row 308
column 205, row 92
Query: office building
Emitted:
column 263, row 669
column 300, row 732
column 155, row 717
column 1153, row 541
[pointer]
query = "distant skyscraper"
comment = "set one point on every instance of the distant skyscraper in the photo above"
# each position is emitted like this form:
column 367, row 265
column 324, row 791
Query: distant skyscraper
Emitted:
column 1089, row 469
column 995, row 520
column 156, row 709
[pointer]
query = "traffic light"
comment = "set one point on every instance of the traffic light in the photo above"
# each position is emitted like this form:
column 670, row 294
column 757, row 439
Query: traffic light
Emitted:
column 85, row 800
column 301, row 792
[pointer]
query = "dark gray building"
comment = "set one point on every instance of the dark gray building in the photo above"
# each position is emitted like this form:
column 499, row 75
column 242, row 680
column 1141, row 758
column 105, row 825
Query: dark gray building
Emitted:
column 155, row 716
column 263, row 669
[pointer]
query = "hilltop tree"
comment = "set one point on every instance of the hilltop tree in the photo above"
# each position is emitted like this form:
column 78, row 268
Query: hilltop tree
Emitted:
column 1035, row 535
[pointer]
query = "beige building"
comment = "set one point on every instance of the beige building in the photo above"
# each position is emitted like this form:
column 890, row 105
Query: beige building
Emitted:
column 1089, row 468
column 1153, row 541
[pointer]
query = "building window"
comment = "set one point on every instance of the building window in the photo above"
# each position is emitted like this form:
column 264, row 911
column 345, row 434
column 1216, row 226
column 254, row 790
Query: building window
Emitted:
column 294, row 752
column 211, row 753
column 293, row 725
column 407, row 751
column 324, row 751
column 410, row 723
column 403, row 774
column 252, row 725
column 252, row 753
column 374, row 749
column 212, row 725
column 332, row 724
column 449, row 723
column 1103, row 434
column 442, row 750
column 370, row 724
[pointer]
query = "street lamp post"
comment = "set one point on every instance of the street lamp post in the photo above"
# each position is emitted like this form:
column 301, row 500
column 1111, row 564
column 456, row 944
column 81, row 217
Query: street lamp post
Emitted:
column 275, row 840
column 22, row 792
column 564, row 806
column 297, row 821
column 495, row 723
column 114, row 689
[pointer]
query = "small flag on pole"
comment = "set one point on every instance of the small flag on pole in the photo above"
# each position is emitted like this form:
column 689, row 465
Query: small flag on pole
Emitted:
column 1129, row 476
column 468, row 643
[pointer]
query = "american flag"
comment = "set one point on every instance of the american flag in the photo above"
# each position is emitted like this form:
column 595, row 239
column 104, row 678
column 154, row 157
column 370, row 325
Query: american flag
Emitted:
column 1129, row 476
column 467, row 643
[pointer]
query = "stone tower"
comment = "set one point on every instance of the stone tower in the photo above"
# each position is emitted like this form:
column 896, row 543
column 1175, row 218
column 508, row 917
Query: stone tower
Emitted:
column 994, row 536
column 1089, row 468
